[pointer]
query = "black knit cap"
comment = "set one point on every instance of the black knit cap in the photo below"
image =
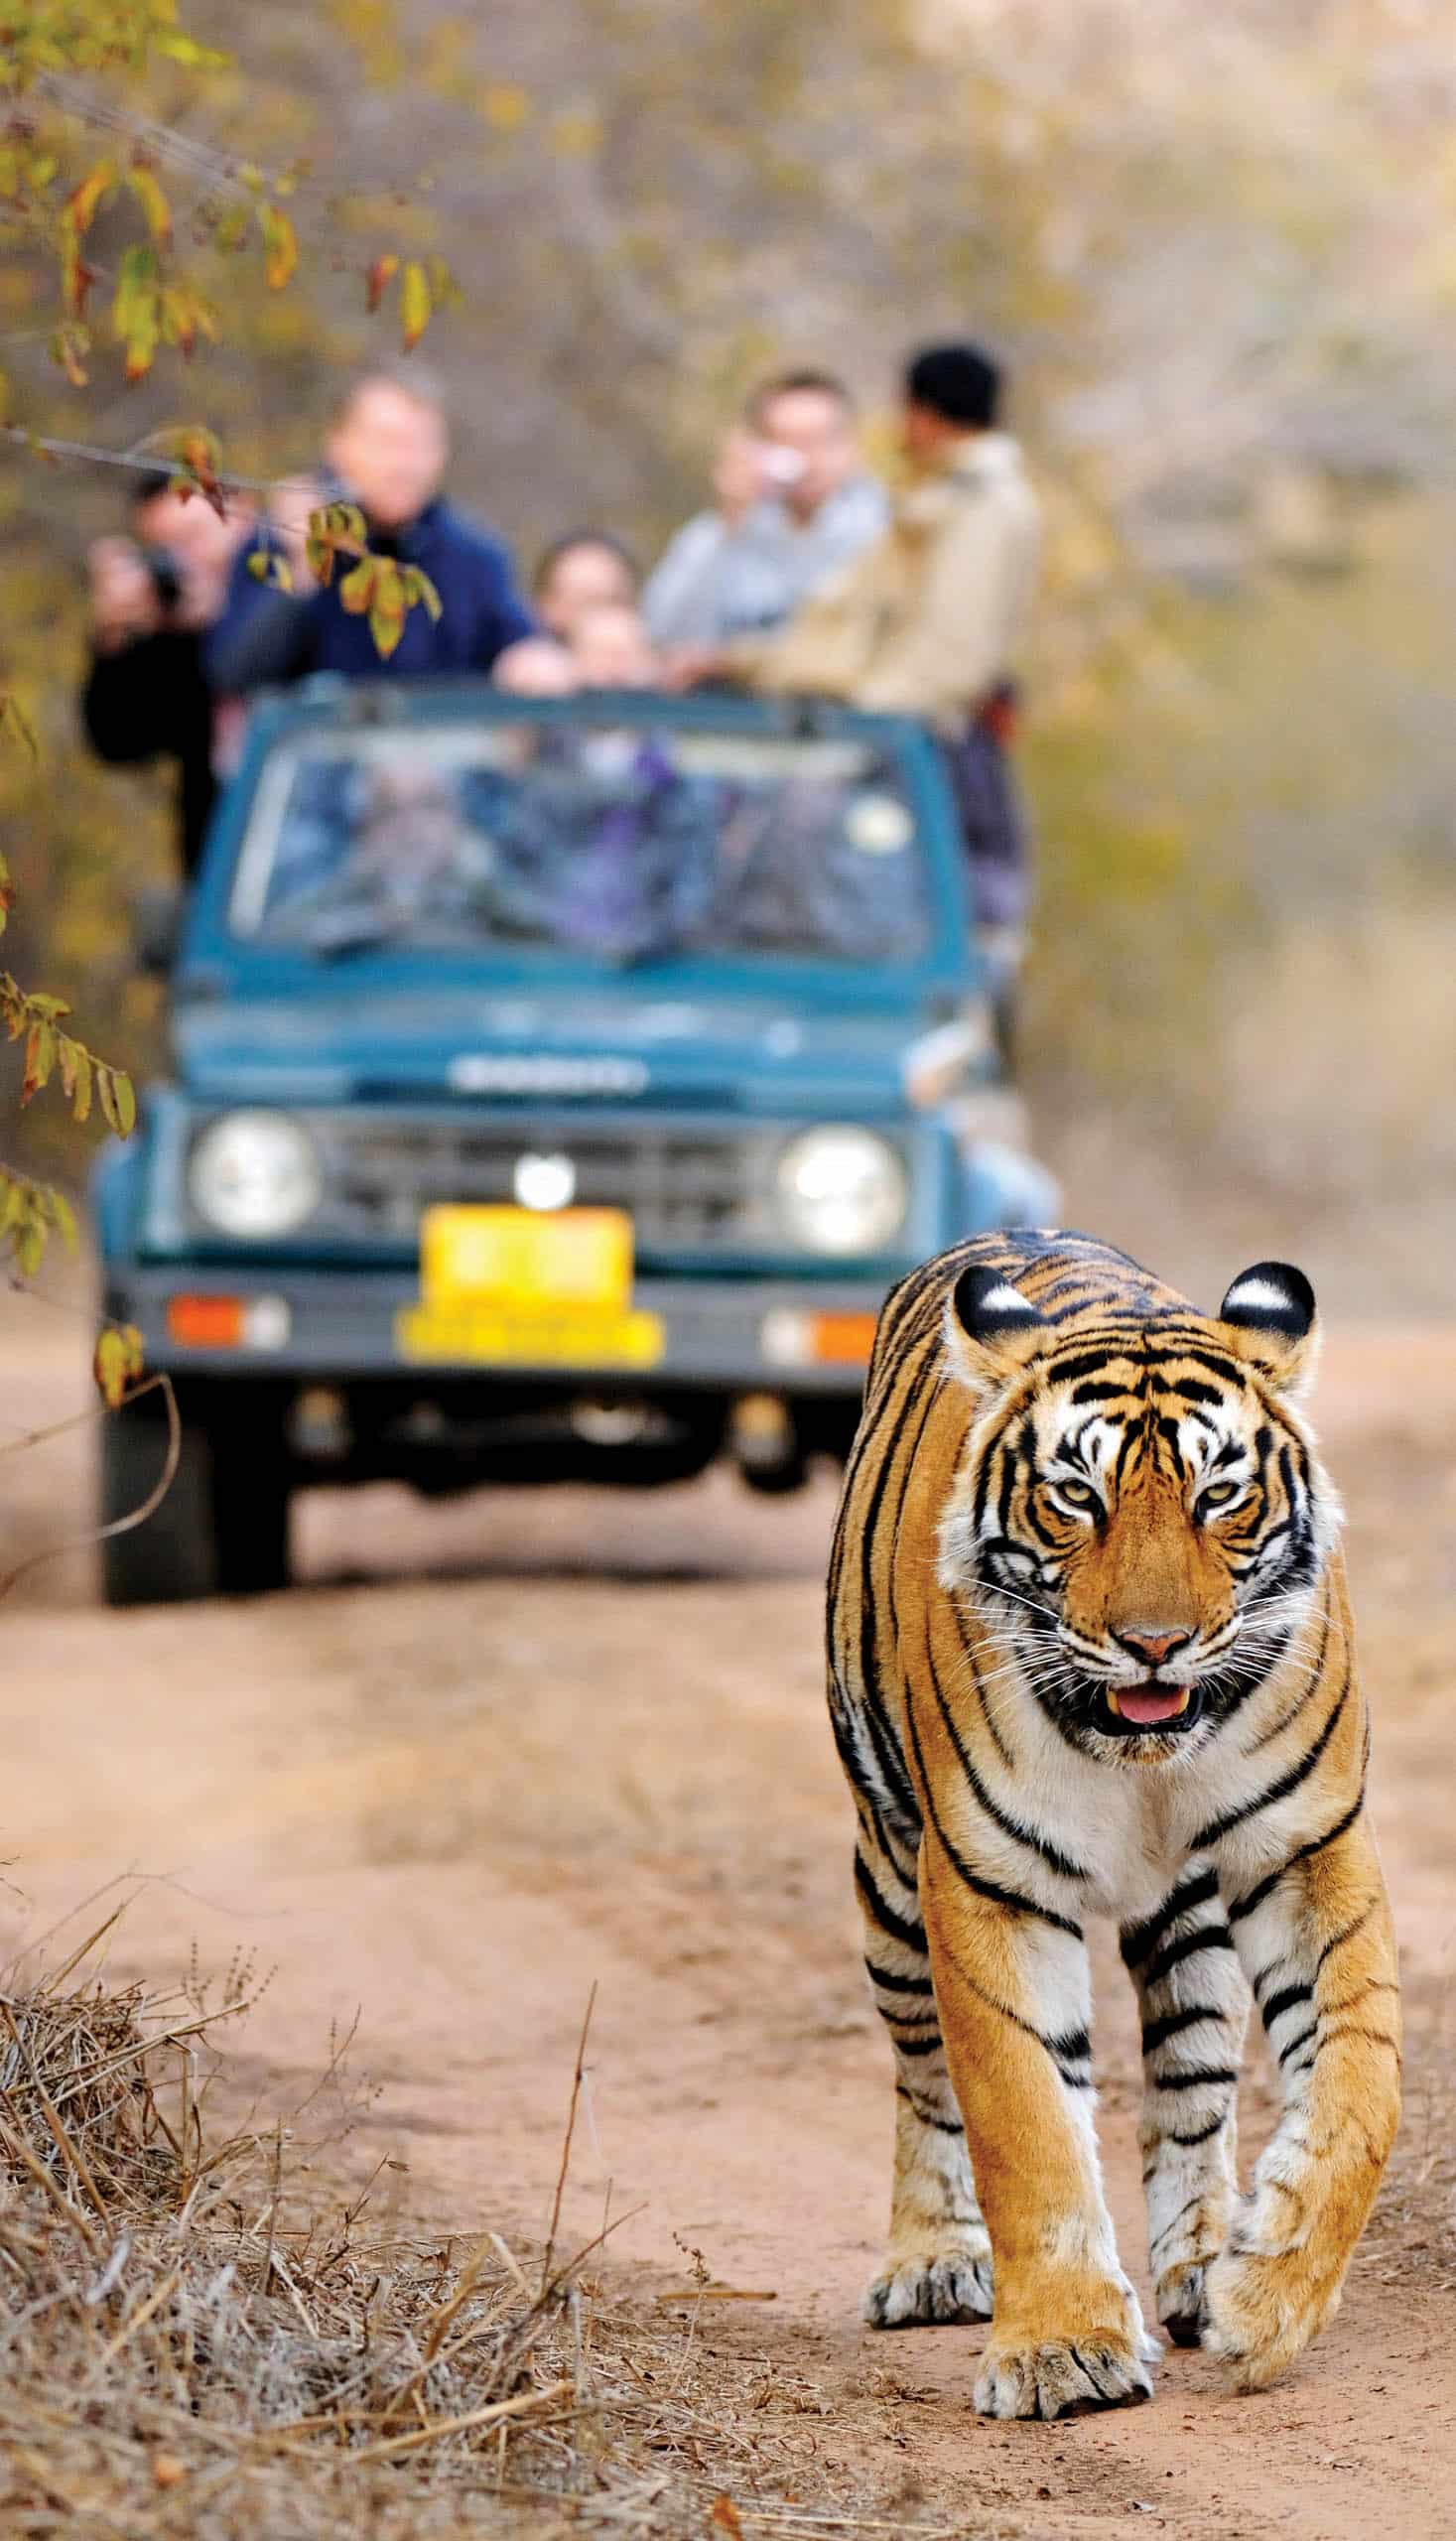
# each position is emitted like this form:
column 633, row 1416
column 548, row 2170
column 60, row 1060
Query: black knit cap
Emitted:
column 958, row 382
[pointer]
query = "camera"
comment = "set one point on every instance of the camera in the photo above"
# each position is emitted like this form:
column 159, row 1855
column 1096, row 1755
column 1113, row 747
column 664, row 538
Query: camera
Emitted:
column 166, row 575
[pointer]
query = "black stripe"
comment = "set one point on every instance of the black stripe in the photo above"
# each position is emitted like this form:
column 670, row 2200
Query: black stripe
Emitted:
column 1307, row 1692
column 1155, row 2034
column 1285, row 2001
column 941, row 2125
column 972, row 1660
column 1194, row 2076
column 1136, row 1940
column 1200, row 2134
column 918, row 2046
column 912, row 1935
column 1281, row 1790
column 987, row 1888
column 1208, row 1937
column 1019, row 1832
column 1338, row 1939
column 1253, row 1897
column 1090, row 1362
column 1294, row 2045
column 899, row 1984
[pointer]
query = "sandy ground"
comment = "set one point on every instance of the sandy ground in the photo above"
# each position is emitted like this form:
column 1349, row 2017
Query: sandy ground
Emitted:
column 495, row 1754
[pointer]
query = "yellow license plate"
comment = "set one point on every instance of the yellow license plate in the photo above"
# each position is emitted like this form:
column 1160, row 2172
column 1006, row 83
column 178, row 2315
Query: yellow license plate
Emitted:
column 523, row 1287
column 482, row 1337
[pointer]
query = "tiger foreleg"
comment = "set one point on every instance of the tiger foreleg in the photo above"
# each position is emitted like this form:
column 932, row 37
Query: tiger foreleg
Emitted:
column 1067, row 2331
column 1317, row 1944
column 1194, row 2005
column 938, row 2264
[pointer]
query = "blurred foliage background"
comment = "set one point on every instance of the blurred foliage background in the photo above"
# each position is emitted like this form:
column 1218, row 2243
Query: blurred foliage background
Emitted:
column 1217, row 251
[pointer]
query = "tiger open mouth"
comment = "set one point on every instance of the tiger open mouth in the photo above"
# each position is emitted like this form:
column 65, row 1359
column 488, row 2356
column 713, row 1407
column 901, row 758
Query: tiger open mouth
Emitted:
column 1132, row 1710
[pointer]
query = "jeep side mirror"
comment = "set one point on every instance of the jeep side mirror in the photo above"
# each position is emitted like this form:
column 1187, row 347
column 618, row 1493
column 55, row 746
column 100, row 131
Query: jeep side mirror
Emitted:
column 156, row 923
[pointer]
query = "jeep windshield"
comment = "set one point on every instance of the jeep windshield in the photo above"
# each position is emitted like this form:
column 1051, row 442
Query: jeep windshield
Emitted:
column 623, row 842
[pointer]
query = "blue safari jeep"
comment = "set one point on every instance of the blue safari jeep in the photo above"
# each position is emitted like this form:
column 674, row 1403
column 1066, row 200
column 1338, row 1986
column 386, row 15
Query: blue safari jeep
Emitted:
column 558, row 1087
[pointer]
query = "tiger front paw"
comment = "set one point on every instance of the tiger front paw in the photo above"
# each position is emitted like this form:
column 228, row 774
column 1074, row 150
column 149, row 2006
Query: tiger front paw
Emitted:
column 1058, row 2375
column 1263, row 2308
column 930, row 2288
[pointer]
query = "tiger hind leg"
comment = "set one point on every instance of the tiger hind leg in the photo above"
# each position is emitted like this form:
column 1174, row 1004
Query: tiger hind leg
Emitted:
column 937, row 2267
column 1194, row 2004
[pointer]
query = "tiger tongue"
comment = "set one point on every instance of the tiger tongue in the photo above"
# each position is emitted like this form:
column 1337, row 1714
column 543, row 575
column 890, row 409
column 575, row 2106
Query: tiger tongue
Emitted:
column 1147, row 1705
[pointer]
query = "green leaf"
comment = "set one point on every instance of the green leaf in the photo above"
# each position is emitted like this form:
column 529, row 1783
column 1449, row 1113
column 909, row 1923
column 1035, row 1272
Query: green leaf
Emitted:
column 118, row 1099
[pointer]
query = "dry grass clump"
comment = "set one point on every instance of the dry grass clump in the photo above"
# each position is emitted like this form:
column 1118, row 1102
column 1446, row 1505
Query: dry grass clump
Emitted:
column 192, row 2344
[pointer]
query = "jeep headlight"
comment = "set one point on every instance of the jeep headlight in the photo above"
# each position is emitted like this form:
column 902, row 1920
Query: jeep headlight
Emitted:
column 842, row 1191
column 255, row 1174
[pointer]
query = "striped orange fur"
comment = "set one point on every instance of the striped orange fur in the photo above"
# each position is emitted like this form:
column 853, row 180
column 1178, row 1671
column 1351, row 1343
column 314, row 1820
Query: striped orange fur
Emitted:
column 1089, row 1652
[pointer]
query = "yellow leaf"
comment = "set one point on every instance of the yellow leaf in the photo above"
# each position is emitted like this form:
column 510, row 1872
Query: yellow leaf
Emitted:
column 14, row 718
column 415, row 304
column 421, row 593
column 154, row 203
column 504, row 107
column 280, row 246
column 378, row 279
column 356, row 590
column 118, row 1362
column 84, row 206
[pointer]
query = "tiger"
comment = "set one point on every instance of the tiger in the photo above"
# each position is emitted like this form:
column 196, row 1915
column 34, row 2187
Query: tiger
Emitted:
column 1090, row 1653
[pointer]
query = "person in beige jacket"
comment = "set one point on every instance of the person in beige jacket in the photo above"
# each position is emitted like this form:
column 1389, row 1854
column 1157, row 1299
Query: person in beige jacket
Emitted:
column 928, row 621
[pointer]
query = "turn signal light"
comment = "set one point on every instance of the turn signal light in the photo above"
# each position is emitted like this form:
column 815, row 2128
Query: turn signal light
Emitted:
column 228, row 1323
column 206, row 1323
column 843, row 1340
column 826, row 1340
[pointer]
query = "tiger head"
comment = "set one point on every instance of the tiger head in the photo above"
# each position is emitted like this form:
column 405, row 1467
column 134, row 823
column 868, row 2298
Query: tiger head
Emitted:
column 1139, row 1514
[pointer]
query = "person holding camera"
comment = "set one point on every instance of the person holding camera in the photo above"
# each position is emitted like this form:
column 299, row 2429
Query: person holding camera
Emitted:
column 794, row 503
column 154, row 594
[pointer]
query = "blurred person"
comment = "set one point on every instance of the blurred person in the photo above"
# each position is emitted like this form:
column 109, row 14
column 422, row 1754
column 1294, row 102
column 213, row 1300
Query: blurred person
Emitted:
column 928, row 623
column 610, row 647
column 386, row 452
column 153, row 593
column 794, row 504
column 587, row 568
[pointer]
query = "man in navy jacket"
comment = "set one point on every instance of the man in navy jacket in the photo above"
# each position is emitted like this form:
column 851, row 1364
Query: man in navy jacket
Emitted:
column 386, row 452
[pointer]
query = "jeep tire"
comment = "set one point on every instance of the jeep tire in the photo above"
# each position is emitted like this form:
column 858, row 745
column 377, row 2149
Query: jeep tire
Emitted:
column 222, row 1528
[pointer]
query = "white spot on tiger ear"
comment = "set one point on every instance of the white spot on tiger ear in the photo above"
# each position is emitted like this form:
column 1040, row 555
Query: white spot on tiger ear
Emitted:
column 1003, row 1300
column 1259, row 1295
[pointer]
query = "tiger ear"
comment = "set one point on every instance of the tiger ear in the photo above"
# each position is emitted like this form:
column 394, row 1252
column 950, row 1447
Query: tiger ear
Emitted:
column 1270, row 1319
column 992, row 1330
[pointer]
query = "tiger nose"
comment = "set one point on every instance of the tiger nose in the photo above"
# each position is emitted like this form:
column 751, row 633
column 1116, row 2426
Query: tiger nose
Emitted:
column 1149, row 1643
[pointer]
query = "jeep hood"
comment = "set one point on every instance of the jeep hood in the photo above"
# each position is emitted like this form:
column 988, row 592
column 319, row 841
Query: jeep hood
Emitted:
column 742, row 1054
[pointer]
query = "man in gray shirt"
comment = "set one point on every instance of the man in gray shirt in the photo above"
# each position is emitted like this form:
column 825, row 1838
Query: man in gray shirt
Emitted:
column 795, row 506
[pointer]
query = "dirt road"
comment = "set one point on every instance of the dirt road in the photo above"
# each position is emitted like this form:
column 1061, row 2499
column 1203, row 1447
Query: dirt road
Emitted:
column 492, row 1756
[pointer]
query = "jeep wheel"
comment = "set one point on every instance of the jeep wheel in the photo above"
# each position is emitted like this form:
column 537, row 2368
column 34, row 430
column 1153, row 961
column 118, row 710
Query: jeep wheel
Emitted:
column 222, row 1528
